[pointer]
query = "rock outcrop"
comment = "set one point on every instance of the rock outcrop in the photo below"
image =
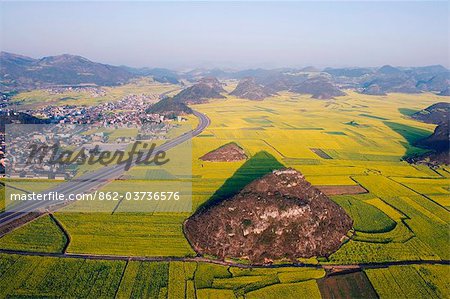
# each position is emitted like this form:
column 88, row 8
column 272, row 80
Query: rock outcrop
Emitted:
column 227, row 153
column 279, row 216
column 249, row 89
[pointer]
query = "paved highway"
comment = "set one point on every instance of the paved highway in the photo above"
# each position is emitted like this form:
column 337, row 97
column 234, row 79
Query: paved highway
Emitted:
column 95, row 180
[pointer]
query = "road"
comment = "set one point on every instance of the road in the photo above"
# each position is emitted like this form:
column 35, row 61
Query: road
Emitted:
column 96, row 179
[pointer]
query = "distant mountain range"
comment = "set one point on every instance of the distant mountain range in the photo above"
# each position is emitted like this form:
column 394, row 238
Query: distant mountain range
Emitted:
column 21, row 73
column 387, row 79
column 159, row 74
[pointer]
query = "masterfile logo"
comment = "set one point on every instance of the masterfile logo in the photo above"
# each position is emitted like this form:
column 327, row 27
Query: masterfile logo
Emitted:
column 97, row 169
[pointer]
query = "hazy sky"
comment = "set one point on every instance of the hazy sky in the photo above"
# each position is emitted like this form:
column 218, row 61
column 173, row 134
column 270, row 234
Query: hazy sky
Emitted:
column 231, row 34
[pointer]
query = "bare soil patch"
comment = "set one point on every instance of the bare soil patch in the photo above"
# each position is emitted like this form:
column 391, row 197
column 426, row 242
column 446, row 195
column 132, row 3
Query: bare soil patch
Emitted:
column 330, row 190
column 350, row 285
column 321, row 153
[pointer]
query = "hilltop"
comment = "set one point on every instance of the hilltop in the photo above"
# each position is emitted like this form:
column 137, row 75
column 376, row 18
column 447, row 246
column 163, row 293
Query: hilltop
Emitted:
column 277, row 216
column 249, row 89
column 169, row 108
column 203, row 90
column 226, row 153
column 435, row 114
column 319, row 87
column 389, row 79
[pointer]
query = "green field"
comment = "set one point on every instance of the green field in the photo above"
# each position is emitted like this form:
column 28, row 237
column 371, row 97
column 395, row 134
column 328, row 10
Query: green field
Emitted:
column 419, row 281
column 366, row 217
column 133, row 279
column 26, row 276
column 41, row 235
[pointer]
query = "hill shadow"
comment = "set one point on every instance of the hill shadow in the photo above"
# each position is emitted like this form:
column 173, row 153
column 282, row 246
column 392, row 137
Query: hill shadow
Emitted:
column 412, row 135
column 257, row 166
column 407, row 112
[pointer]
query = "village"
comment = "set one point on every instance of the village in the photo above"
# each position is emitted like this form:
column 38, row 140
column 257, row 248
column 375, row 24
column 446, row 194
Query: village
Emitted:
column 90, row 127
column 128, row 112
column 92, row 91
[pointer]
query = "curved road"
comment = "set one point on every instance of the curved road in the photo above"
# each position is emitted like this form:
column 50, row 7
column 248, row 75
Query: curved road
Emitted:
column 97, row 179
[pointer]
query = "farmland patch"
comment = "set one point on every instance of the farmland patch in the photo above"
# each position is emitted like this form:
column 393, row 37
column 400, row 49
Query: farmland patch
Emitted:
column 341, row 189
column 366, row 217
column 418, row 281
column 319, row 152
column 350, row 285
column 41, row 234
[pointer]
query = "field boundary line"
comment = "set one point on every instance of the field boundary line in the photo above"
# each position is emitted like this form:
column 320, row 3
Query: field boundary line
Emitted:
column 272, row 147
column 121, row 278
column 417, row 192
column 374, row 265
column 63, row 230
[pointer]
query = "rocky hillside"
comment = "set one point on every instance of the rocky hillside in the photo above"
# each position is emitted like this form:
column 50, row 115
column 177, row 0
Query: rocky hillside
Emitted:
column 319, row 87
column 227, row 153
column 169, row 108
column 202, row 91
column 249, row 89
column 374, row 90
column 435, row 114
column 277, row 216
column 439, row 141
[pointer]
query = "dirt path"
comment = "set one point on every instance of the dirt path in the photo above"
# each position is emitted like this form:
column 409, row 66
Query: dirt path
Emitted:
column 329, row 267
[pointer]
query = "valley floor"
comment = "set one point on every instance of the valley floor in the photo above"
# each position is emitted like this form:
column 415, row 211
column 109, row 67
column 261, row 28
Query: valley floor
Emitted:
column 401, row 223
